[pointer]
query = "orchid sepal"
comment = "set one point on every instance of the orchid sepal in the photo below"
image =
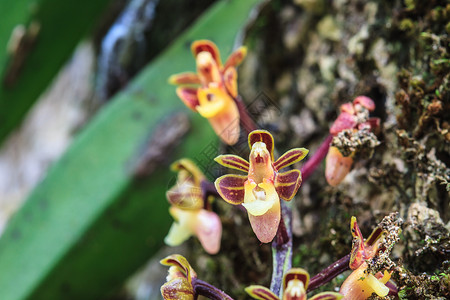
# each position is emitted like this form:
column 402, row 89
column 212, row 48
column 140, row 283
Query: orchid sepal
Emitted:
column 185, row 78
column 327, row 296
column 290, row 157
column 189, row 97
column 236, row 58
column 231, row 188
column 261, row 136
column 287, row 184
column 233, row 162
column 260, row 293
column 206, row 46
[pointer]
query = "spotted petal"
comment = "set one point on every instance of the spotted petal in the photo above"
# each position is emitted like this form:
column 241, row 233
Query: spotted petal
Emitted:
column 233, row 162
column 236, row 57
column 327, row 296
column 186, row 78
column 261, row 136
column 290, row 157
column 176, row 289
column 208, row 46
column 288, row 183
column 231, row 188
column 189, row 97
column 261, row 293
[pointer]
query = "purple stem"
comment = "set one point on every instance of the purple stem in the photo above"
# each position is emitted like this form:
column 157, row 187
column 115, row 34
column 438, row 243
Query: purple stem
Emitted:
column 246, row 121
column 211, row 292
column 312, row 163
column 282, row 249
column 329, row 273
column 208, row 189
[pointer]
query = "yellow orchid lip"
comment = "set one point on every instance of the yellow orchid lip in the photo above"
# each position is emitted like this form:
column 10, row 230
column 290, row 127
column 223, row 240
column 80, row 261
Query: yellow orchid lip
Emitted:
column 212, row 101
column 258, row 199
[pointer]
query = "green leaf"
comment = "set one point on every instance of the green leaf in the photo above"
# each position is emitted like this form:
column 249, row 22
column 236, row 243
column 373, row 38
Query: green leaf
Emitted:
column 62, row 25
column 90, row 223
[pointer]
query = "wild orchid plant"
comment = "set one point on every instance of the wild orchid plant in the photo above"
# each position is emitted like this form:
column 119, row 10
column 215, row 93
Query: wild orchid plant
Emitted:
column 212, row 92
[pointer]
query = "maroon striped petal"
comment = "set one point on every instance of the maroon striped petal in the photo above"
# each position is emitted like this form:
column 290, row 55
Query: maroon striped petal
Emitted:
column 374, row 236
column 181, row 264
column 189, row 97
column 261, row 293
column 261, row 136
column 233, row 162
column 236, row 58
column 185, row 78
column 296, row 273
column 288, row 183
column 290, row 157
column 327, row 296
column 208, row 46
column 231, row 188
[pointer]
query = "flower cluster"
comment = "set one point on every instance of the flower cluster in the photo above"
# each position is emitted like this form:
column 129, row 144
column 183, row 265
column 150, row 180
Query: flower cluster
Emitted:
column 261, row 189
column 353, row 117
column 187, row 208
column 295, row 284
column 213, row 89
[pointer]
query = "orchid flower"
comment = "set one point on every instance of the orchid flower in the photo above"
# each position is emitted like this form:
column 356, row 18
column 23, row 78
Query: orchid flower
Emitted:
column 353, row 116
column 180, row 279
column 187, row 202
column 261, row 189
column 295, row 284
column 360, row 284
column 213, row 89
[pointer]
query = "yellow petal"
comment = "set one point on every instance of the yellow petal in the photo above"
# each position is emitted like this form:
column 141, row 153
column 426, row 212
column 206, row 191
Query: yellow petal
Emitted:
column 213, row 100
column 259, row 201
column 177, row 235
column 182, row 228
column 377, row 286
column 221, row 111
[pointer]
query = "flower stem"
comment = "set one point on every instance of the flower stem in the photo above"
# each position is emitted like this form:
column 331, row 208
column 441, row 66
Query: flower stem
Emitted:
column 211, row 292
column 312, row 163
column 329, row 273
column 282, row 249
column 246, row 121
